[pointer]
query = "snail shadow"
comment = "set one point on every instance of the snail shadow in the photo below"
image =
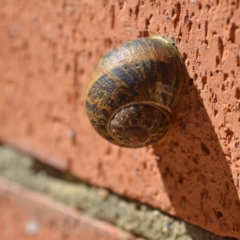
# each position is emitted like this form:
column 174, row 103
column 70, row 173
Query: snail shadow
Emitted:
column 194, row 168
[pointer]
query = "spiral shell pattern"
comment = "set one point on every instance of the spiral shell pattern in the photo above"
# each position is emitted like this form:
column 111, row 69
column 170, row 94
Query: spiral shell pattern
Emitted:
column 133, row 89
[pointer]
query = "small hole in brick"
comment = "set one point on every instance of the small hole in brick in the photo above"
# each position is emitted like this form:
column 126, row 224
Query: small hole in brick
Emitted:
column 180, row 180
column 238, row 61
column 237, row 94
column 136, row 11
column 184, row 55
column 130, row 12
column 223, row 87
column 236, row 144
column 199, row 6
column 215, row 112
column 195, row 160
column 232, row 34
column 143, row 33
column 190, row 82
column 217, row 60
column 176, row 144
column 205, row 150
column 233, row 73
column 219, row 214
column 147, row 22
column 195, row 76
column 190, row 26
column 180, row 37
column 225, row 76
column 220, row 47
column 204, row 81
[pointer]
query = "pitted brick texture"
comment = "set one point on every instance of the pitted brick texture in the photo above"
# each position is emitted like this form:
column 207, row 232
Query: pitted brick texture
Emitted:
column 47, row 52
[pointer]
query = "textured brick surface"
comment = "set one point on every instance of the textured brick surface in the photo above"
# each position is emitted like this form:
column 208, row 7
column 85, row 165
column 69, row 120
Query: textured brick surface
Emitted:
column 99, row 203
column 30, row 215
column 47, row 52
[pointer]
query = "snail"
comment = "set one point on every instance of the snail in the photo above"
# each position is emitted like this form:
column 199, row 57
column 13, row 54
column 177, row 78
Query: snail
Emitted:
column 133, row 89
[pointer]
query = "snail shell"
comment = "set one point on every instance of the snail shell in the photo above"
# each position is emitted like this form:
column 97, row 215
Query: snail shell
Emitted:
column 133, row 89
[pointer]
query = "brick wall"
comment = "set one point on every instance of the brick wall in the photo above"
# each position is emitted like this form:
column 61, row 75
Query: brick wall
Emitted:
column 47, row 51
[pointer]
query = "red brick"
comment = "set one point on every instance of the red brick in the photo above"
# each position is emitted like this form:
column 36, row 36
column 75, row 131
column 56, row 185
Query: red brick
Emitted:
column 29, row 215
